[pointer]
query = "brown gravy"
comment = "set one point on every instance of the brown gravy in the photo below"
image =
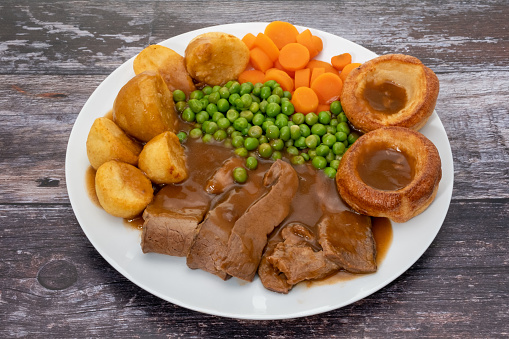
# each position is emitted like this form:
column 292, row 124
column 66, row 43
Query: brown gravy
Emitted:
column 385, row 168
column 90, row 185
column 386, row 97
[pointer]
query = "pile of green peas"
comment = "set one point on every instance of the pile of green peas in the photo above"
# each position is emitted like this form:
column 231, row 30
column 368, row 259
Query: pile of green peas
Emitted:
column 260, row 121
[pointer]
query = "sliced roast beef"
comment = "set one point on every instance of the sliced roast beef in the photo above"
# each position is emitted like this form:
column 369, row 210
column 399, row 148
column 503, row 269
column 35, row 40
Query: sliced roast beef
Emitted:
column 222, row 179
column 347, row 240
column 249, row 235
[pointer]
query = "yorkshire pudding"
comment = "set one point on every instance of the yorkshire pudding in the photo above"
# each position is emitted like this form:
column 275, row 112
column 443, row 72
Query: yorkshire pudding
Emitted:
column 390, row 90
column 390, row 172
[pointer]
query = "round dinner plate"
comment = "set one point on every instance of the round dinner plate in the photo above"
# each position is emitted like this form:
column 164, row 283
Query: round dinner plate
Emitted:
column 169, row 277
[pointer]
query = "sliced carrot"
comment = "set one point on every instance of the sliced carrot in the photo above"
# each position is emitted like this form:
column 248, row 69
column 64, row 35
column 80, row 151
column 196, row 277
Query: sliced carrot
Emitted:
column 281, row 33
column 322, row 107
column 281, row 78
column 302, row 77
column 267, row 46
column 315, row 73
column 294, row 56
column 259, row 59
column 322, row 64
column 327, row 87
column 340, row 61
column 347, row 69
column 306, row 38
column 249, row 40
column 251, row 75
column 305, row 100
column 318, row 43
column 278, row 65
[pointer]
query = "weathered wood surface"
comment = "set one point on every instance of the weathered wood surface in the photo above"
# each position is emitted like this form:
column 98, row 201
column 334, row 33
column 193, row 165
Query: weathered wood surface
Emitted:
column 54, row 54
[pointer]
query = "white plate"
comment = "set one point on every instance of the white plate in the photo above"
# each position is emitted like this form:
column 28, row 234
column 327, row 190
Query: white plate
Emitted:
column 170, row 279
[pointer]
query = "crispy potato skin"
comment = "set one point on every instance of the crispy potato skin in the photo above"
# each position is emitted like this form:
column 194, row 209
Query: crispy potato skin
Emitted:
column 122, row 189
column 106, row 141
column 144, row 107
column 215, row 58
column 163, row 159
column 169, row 64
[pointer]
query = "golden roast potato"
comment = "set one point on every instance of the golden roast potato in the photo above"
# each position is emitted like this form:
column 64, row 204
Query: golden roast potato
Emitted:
column 163, row 159
column 122, row 189
column 106, row 141
column 144, row 107
column 168, row 63
column 215, row 58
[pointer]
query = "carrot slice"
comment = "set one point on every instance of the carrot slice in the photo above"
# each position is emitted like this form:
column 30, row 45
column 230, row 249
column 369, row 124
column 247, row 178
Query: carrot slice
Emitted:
column 322, row 64
column 340, row 61
column 302, row 77
column 318, row 43
column 267, row 46
column 278, row 65
column 327, row 87
column 281, row 33
column 306, row 38
column 347, row 69
column 315, row 73
column 251, row 75
column 294, row 56
column 281, row 78
column 249, row 40
column 305, row 100
column 259, row 59
column 322, row 107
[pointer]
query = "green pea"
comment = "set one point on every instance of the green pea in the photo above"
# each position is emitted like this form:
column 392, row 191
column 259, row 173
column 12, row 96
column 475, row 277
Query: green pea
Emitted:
column 341, row 136
column 266, row 124
column 298, row 160
column 195, row 133
column 181, row 106
column 272, row 132
column 216, row 88
column 195, row 104
column 277, row 144
column 284, row 133
column 207, row 90
column 330, row 172
column 271, row 84
column 290, row 123
column 324, row 117
column 339, row 157
column 211, row 127
column 230, row 129
column 334, row 164
column 211, row 108
column 263, row 106
column 202, row 117
column 289, row 143
column 298, row 118
column 240, row 123
column 197, row 94
column 318, row 129
column 240, row 175
column 232, row 115
column 287, row 108
column 263, row 139
column 257, row 89
column 246, row 100
column 343, row 127
column 251, row 163
column 311, row 118
column 233, row 98
column 278, row 91
column 334, row 122
column 229, row 83
column 342, row 117
column 235, row 133
column 312, row 141
column 287, row 95
column 254, row 107
column 280, row 123
column 255, row 131
column 251, row 143
column 322, row 150
column 223, row 123
column 255, row 98
column 234, row 88
column 214, row 97
column 258, row 119
column 182, row 137
column 304, row 130
column 305, row 156
column 319, row 162
column 335, row 107
column 207, row 138
column 295, row 132
column 188, row 115
column 223, row 105
column 292, row 150
column 265, row 150
column 331, row 129
column 246, row 88
column 352, row 137
column 273, row 109
column 330, row 156
column 276, row 155
column 238, row 141
column 179, row 95
column 241, row 152
column 265, row 92
column 312, row 153
column 248, row 115
column 204, row 102
column 328, row 139
column 338, row 148
column 224, row 92
column 300, row 143
column 274, row 98
column 220, row 135
column 283, row 99
column 216, row 116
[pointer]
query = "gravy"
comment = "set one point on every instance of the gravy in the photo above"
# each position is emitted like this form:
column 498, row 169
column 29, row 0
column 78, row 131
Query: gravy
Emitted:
column 386, row 97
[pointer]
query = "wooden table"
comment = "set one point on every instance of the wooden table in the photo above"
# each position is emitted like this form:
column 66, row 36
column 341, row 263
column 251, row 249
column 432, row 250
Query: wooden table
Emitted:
column 53, row 283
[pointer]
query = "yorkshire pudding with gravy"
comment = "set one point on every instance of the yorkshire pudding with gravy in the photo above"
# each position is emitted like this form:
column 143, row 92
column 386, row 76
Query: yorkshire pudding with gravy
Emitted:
column 390, row 172
column 390, row 90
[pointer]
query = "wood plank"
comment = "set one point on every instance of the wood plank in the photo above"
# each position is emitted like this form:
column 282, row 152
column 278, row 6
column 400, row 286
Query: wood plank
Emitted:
column 439, row 294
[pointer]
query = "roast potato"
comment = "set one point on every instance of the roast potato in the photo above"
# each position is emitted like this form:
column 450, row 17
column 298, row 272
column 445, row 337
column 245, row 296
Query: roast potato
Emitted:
column 122, row 189
column 215, row 58
column 163, row 159
column 106, row 141
column 144, row 107
column 168, row 63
